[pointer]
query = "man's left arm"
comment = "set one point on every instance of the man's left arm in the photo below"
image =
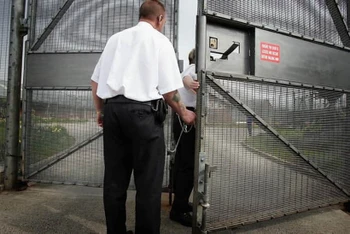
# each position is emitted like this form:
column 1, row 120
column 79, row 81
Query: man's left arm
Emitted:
column 98, row 102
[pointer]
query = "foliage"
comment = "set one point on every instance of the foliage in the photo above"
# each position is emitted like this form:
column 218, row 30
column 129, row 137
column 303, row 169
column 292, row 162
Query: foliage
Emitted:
column 46, row 141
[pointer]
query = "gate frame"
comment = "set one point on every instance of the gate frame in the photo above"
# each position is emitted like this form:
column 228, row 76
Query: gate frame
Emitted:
column 202, row 170
column 31, row 47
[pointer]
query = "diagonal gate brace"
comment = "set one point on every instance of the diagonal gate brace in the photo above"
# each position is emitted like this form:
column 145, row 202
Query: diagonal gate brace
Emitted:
column 55, row 20
column 246, row 110
column 339, row 21
column 68, row 152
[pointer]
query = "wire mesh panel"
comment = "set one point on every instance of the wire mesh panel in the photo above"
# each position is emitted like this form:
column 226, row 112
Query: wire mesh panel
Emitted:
column 87, row 24
column 309, row 18
column 63, row 141
column 260, row 175
column 5, row 13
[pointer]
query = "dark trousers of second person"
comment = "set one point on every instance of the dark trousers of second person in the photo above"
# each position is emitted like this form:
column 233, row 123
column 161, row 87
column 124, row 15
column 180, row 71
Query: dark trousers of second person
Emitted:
column 133, row 140
column 184, row 166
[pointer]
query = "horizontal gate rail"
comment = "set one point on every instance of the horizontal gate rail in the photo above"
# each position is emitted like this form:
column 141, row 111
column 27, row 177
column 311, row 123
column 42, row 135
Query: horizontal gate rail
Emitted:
column 245, row 109
column 69, row 151
column 256, row 79
column 55, row 20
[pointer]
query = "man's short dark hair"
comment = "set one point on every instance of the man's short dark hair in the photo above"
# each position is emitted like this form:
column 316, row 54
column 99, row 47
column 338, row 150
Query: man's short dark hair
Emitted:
column 151, row 9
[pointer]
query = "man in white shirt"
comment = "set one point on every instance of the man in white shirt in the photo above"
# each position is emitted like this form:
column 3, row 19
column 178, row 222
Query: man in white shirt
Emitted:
column 137, row 68
column 184, row 158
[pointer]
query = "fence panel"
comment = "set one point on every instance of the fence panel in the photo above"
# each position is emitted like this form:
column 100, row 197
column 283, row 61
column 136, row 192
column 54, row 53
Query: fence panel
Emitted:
column 87, row 24
column 63, row 143
column 308, row 18
column 258, row 175
column 5, row 14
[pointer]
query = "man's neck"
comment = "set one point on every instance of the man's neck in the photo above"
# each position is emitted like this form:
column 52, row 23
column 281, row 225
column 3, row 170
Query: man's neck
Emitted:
column 148, row 21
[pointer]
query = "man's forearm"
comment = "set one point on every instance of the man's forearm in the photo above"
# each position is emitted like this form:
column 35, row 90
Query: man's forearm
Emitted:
column 97, row 100
column 174, row 101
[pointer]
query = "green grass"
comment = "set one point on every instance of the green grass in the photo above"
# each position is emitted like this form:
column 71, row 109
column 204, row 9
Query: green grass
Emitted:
column 269, row 145
column 46, row 141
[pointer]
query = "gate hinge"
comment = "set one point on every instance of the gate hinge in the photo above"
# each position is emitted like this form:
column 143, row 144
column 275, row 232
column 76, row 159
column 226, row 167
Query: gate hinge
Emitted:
column 24, row 25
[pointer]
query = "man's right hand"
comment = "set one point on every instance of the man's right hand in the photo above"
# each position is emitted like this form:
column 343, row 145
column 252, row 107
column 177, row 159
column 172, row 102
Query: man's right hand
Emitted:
column 189, row 117
column 174, row 100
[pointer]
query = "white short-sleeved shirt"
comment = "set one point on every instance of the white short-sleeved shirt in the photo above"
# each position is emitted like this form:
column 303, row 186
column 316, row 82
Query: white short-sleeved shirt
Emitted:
column 139, row 63
column 187, row 96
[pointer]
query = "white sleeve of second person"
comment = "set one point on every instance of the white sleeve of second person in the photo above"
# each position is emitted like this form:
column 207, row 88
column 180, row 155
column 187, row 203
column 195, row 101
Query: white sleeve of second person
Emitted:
column 169, row 73
column 191, row 71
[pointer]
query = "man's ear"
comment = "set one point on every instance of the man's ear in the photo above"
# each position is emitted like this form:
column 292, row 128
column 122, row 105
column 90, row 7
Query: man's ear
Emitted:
column 160, row 18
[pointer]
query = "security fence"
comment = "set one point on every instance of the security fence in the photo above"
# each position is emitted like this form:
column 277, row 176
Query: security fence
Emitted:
column 277, row 149
column 86, row 25
column 312, row 19
column 5, row 12
column 62, row 142
column 273, row 110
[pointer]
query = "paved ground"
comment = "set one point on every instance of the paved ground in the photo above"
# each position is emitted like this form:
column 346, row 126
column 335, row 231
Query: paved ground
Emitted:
column 73, row 209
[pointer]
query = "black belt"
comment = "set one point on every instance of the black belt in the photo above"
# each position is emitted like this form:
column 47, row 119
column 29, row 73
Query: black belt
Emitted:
column 123, row 99
column 191, row 108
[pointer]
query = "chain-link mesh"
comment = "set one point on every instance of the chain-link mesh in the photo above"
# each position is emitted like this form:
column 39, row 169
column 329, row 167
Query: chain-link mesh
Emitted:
column 5, row 13
column 309, row 18
column 87, row 24
column 63, row 141
column 258, row 175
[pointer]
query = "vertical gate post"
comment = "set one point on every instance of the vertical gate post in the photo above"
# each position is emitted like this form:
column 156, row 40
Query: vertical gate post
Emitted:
column 13, row 93
column 199, row 167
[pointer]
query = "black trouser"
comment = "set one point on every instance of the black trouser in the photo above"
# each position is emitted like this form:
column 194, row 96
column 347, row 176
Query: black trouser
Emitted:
column 184, row 166
column 133, row 140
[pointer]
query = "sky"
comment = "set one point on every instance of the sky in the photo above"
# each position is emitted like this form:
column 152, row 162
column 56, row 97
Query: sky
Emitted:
column 187, row 28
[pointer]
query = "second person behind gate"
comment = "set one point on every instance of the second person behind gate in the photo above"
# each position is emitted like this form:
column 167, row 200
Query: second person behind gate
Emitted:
column 184, row 157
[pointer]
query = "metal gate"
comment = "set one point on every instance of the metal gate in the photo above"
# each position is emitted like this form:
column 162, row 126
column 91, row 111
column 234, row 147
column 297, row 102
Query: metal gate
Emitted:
column 62, row 142
column 274, row 107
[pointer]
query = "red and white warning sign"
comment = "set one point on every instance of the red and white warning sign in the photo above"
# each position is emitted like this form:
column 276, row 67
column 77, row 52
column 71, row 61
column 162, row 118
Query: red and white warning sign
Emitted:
column 270, row 52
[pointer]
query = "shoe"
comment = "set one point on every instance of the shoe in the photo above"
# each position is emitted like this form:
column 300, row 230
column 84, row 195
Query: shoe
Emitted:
column 129, row 232
column 183, row 218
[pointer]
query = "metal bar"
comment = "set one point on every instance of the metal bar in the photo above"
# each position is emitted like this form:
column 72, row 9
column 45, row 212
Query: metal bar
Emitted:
column 25, row 111
column 26, row 126
column 32, row 21
column 278, row 215
column 205, row 196
column 347, row 111
column 256, row 79
column 82, row 88
column 246, row 110
column 176, row 27
column 95, row 185
column 55, row 20
column 201, row 30
column 13, row 94
column 69, row 151
column 348, row 13
column 66, row 52
column 339, row 22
